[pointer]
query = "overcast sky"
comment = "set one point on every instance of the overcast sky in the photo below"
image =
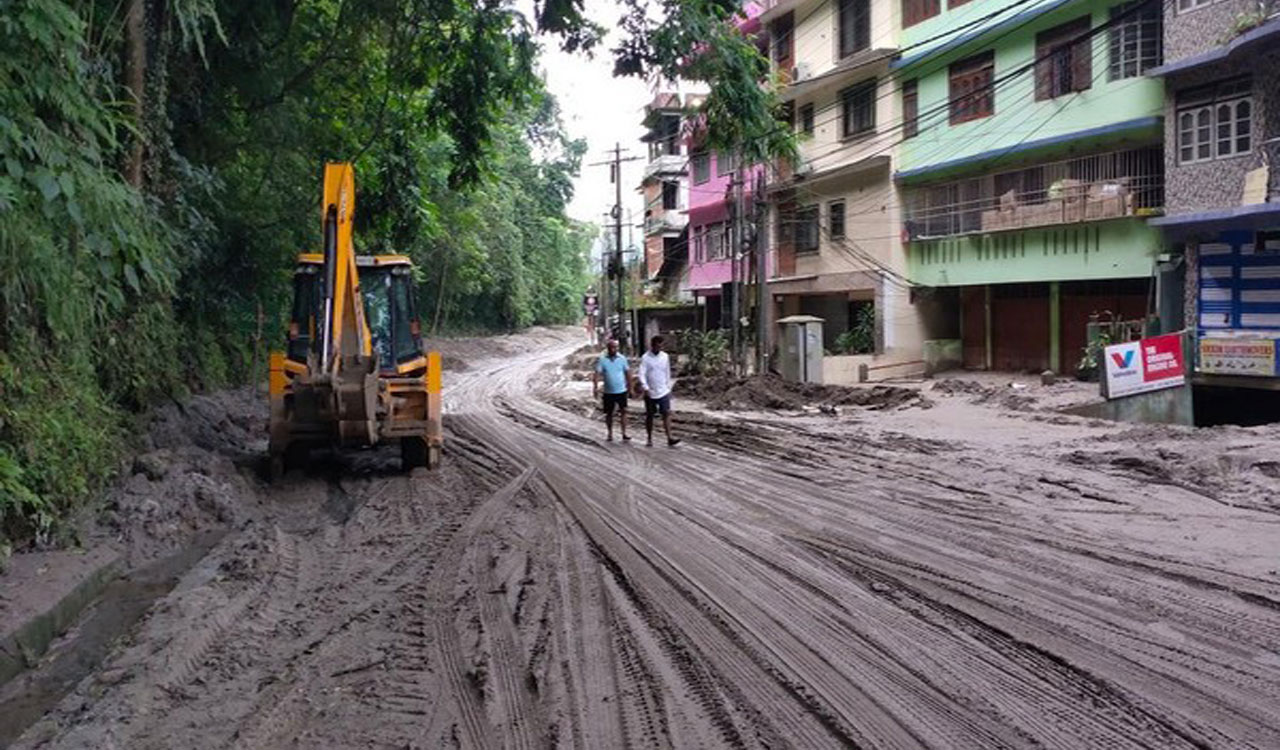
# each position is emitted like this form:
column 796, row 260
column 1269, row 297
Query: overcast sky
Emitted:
column 604, row 110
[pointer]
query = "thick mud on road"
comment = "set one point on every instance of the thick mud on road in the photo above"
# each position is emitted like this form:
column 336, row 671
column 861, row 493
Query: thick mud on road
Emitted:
column 861, row 582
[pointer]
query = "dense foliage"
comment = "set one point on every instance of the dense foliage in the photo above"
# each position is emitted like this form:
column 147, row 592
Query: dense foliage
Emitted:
column 160, row 165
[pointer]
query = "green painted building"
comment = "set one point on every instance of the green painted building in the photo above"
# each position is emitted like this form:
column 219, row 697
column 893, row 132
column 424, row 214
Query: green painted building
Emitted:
column 1030, row 162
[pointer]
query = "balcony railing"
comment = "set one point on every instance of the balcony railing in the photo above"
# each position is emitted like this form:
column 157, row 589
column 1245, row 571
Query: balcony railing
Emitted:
column 1088, row 188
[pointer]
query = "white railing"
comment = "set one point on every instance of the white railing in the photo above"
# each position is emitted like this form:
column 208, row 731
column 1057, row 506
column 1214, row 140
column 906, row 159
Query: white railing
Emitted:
column 1088, row 188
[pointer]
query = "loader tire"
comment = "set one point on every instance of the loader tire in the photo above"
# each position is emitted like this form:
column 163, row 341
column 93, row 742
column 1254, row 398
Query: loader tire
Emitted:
column 413, row 453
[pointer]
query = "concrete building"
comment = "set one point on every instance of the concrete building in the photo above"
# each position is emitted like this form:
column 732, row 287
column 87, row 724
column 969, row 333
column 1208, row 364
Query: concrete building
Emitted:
column 836, row 245
column 1031, row 159
column 1222, row 218
column 665, row 190
column 711, row 176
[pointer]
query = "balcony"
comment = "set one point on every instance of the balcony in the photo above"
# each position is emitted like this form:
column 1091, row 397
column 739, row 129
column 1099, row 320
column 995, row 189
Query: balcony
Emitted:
column 665, row 223
column 666, row 166
column 1089, row 188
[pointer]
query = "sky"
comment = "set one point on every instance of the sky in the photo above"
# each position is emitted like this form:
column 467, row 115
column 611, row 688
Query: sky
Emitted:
column 604, row 110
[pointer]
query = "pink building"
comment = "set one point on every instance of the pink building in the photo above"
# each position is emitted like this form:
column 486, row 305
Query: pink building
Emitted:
column 710, row 210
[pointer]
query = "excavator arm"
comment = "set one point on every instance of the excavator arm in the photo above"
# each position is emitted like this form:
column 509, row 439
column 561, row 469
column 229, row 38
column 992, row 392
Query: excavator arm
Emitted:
column 332, row 387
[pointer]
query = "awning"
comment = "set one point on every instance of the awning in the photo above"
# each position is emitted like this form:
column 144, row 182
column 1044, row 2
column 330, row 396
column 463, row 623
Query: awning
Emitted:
column 1247, row 41
column 1249, row 218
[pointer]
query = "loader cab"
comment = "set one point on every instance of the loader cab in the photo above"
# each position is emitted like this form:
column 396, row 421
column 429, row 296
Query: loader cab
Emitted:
column 387, row 290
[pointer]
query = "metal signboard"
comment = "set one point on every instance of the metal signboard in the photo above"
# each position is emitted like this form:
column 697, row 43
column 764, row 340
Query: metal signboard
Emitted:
column 1146, row 365
column 1238, row 356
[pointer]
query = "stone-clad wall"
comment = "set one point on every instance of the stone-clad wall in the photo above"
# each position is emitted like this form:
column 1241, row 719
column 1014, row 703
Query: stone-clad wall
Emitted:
column 1220, row 183
column 1194, row 31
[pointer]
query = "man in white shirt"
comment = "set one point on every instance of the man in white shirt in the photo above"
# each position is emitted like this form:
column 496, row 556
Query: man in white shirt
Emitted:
column 655, row 381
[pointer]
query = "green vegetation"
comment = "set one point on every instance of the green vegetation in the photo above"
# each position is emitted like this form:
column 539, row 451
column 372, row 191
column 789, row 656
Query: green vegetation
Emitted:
column 160, row 166
column 861, row 336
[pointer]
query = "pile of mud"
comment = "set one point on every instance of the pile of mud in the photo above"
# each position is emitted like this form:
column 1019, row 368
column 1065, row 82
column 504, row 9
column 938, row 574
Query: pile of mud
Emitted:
column 772, row 392
column 1007, row 395
column 196, row 473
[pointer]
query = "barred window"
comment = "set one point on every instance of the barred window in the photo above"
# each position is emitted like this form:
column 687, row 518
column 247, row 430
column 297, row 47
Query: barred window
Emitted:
column 701, row 167
column 858, row 109
column 1136, row 43
column 725, row 163
column 835, row 220
column 1064, row 60
column 806, row 119
column 854, row 21
column 1186, row 5
column 806, row 228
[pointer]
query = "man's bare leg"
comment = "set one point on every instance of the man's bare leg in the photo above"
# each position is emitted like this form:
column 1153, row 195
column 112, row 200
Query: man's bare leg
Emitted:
column 622, row 420
column 666, row 425
column 608, row 420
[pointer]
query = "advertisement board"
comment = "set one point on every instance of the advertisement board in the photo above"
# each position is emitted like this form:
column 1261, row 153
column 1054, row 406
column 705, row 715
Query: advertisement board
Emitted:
column 1255, row 357
column 1146, row 365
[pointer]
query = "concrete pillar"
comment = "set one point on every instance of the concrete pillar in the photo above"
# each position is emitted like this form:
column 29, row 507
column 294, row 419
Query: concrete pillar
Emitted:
column 991, row 354
column 1055, row 326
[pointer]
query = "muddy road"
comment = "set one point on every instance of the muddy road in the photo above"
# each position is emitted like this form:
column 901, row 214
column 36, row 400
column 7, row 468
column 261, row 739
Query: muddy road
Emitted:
column 864, row 582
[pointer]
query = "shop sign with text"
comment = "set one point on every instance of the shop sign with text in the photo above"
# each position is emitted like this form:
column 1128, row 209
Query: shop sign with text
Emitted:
column 1256, row 357
column 1147, row 365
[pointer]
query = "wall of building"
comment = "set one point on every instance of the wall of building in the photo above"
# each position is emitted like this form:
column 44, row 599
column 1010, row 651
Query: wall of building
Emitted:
column 816, row 40
column 1018, row 118
column 1219, row 183
column 1190, row 32
column 1122, row 248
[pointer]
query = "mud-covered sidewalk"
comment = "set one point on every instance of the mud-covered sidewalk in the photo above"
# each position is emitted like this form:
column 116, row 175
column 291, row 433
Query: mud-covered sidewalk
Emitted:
column 942, row 564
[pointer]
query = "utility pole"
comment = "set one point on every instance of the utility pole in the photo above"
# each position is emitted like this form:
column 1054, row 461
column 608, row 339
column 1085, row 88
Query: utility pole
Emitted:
column 618, row 268
column 762, row 257
column 737, row 267
column 617, row 241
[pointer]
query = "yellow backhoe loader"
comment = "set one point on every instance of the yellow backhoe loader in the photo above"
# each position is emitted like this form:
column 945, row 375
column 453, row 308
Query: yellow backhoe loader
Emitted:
column 354, row 373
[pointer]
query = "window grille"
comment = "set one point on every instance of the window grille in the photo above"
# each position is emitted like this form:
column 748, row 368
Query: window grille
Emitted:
column 1135, row 43
column 1089, row 188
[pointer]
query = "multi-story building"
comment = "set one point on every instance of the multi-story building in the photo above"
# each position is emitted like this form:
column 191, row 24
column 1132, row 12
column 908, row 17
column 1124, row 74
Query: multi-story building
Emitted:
column 837, row 246
column 665, row 190
column 1030, row 159
column 1222, row 160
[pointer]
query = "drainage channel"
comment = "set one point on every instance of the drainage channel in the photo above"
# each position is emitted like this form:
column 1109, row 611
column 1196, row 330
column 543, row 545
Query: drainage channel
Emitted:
column 78, row 652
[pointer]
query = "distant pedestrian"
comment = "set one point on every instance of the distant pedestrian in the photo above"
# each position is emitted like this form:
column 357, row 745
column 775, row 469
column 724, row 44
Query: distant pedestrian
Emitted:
column 655, row 380
column 616, row 372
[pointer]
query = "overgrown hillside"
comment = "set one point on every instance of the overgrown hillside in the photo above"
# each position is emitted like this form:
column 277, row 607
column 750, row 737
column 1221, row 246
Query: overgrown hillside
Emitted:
column 160, row 165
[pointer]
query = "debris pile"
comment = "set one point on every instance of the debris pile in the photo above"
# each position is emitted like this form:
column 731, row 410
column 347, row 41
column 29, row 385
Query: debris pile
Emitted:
column 772, row 392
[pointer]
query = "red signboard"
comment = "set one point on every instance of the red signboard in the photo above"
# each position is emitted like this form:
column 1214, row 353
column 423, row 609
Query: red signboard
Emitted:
column 1146, row 365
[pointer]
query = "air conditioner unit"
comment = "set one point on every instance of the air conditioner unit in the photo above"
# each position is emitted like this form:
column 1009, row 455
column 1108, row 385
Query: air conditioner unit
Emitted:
column 801, row 72
column 804, row 169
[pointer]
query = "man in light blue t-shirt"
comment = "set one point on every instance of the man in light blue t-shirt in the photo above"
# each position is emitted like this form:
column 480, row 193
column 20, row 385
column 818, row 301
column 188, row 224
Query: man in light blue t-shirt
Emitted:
column 613, row 367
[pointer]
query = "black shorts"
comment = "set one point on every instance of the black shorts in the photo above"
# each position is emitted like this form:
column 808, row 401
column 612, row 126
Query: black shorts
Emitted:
column 657, row 405
column 612, row 400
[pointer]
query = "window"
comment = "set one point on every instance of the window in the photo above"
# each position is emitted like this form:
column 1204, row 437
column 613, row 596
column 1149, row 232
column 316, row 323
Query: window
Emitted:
column 971, row 96
column 1135, row 43
column 915, row 11
column 858, row 109
column 1064, row 61
column 910, row 110
column 670, row 196
column 806, row 119
column 725, row 164
column 806, row 229
column 788, row 115
column 1186, row 5
column 781, row 34
column 716, row 243
column 835, row 220
column 854, row 20
column 1215, row 121
column 701, row 167
column 955, row 3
